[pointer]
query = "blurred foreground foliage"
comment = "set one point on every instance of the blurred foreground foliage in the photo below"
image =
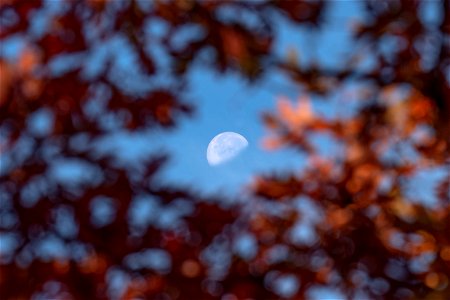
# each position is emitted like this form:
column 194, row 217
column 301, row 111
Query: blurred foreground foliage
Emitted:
column 368, row 236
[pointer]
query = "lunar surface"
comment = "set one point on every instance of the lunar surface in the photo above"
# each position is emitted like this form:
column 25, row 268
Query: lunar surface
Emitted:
column 224, row 147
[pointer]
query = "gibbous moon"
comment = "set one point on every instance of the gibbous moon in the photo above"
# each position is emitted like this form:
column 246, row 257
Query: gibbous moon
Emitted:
column 224, row 147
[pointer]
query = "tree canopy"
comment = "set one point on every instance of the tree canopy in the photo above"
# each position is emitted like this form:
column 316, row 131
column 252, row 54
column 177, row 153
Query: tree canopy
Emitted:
column 369, row 234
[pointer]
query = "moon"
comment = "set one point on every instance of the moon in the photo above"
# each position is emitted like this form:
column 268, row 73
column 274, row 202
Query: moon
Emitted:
column 224, row 147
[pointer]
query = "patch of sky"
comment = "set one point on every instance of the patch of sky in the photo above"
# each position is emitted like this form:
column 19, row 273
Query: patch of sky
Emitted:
column 40, row 123
column 336, row 42
column 96, row 59
column 331, row 106
column 218, row 258
column 284, row 285
column 103, row 211
column 6, row 192
column 422, row 262
column 80, row 142
column 7, row 164
column 226, row 111
column 79, row 251
column 50, row 247
column 326, row 145
column 158, row 260
column 397, row 240
column 8, row 220
column 431, row 13
column 186, row 35
column 39, row 22
column 391, row 45
column 168, row 218
column 23, row 148
column 51, row 148
column 117, row 282
column 33, row 190
column 112, row 122
column 142, row 212
column 246, row 246
column 17, row 155
column 171, row 215
column 56, row 7
column 128, row 148
column 335, row 37
column 97, row 29
column 421, row 187
column 320, row 292
column 9, row 242
column 276, row 83
column 73, row 172
column 155, row 30
column 379, row 286
column 422, row 134
column 302, row 234
column 66, row 62
column 125, row 71
column 189, row 148
column 65, row 223
column 145, row 5
column 95, row 106
column 315, row 46
column 398, row 152
column 290, row 37
column 309, row 211
column 429, row 47
column 231, row 13
column 395, row 96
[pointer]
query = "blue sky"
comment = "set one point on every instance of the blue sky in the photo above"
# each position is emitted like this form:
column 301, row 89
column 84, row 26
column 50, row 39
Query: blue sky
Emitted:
column 224, row 102
column 227, row 102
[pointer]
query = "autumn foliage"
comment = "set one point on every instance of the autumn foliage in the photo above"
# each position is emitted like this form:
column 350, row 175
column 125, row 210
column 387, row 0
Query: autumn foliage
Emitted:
column 353, row 222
